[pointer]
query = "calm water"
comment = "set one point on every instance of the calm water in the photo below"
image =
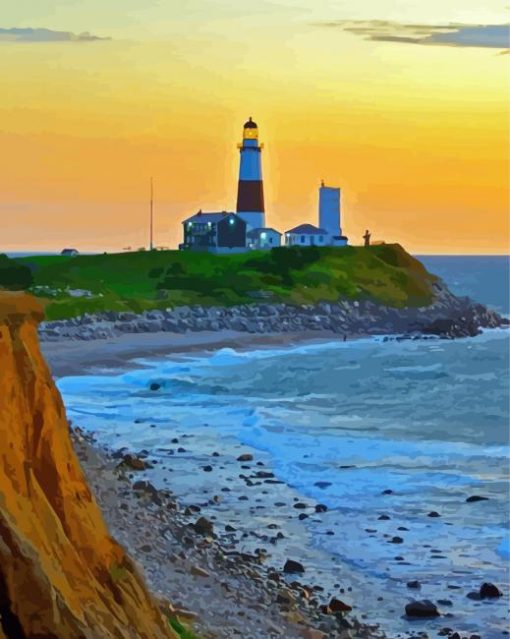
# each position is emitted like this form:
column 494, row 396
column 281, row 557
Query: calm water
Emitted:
column 485, row 279
column 341, row 423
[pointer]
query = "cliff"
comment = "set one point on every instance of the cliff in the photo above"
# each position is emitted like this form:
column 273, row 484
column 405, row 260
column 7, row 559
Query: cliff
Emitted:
column 61, row 574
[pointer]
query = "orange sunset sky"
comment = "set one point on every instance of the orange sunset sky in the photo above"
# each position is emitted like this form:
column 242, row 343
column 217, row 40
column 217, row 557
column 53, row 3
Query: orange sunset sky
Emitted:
column 401, row 103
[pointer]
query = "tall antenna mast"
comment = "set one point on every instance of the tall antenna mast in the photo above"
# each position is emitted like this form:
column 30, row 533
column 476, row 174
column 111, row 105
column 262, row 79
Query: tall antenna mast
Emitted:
column 152, row 217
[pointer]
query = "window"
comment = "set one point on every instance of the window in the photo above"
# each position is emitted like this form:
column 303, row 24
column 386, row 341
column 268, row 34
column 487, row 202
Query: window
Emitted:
column 303, row 239
column 270, row 240
column 321, row 238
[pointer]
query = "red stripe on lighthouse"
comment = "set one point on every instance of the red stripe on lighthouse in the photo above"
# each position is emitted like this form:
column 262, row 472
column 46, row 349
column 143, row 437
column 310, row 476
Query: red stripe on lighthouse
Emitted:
column 250, row 196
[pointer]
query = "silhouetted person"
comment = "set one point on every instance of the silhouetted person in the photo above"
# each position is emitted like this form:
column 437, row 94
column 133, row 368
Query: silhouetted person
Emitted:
column 366, row 237
column 345, row 338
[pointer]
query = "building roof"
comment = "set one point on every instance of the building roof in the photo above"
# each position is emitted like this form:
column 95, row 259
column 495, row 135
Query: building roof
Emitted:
column 307, row 229
column 208, row 217
column 250, row 124
column 263, row 229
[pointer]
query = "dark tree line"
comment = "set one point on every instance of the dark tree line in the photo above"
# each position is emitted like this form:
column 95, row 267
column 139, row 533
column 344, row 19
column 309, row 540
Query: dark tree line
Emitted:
column 13, row 275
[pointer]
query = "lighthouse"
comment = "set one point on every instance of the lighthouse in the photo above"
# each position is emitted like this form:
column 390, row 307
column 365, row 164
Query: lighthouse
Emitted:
column 250, row 192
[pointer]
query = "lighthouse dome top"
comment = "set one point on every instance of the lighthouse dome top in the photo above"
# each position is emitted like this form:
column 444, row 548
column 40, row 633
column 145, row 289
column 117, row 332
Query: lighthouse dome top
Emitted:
column 250, row 124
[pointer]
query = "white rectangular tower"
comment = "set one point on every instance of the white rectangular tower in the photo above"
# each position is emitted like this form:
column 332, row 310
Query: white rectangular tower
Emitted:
column 329, row 210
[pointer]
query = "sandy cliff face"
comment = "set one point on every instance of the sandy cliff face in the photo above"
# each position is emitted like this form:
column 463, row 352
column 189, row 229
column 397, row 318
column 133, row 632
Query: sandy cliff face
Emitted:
column 61, row 574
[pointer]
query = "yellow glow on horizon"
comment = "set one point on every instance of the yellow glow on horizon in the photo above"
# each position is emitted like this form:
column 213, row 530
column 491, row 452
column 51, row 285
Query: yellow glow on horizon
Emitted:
column 416, row 136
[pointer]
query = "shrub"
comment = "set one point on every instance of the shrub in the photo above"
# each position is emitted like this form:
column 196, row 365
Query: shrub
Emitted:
column 175, row 269
column 14, row 276
column 283, row 260
column 156, row 272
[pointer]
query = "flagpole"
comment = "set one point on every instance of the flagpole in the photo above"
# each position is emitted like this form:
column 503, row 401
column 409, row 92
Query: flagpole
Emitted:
column 152, row 217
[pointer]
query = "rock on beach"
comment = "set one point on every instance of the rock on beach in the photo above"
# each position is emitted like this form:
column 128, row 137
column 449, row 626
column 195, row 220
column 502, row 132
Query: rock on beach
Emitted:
column 423, row 608
column 292, row 566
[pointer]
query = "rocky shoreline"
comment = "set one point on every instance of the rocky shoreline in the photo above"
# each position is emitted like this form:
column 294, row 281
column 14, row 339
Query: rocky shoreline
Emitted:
column 220, row 578
column 223, row 592
column 448, row 316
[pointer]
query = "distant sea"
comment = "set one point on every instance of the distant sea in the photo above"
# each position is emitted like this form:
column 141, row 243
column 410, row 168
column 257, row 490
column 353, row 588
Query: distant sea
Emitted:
column 485, row 279
column 35, row 253
column 29, row 253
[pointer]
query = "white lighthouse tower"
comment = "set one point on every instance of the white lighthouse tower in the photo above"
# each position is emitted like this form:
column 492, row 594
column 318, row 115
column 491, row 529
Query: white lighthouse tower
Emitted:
column 250, row 192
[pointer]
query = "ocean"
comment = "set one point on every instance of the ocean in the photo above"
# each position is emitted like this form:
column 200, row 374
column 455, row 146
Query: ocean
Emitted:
column 391, row 436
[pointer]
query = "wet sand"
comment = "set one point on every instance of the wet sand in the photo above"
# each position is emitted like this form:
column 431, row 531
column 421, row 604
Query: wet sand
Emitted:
column 76, row 357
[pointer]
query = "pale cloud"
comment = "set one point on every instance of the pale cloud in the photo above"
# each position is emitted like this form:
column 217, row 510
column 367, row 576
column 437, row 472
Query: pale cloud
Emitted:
column 45, row 35
column 493, row 36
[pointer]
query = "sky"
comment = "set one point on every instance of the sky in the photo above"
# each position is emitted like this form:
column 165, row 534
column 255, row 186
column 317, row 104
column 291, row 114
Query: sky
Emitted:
column 403, row 104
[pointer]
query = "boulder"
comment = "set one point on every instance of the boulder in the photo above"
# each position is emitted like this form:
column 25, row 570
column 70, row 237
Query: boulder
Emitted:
column 203, row 526
column 423, row 608
column 337, row 605
column 475, row 596
column 489, row 591
column 292, row 566
column 322, row 484
column 263, row 474
column 134, row 463
column 149, row 489
column 413, row 584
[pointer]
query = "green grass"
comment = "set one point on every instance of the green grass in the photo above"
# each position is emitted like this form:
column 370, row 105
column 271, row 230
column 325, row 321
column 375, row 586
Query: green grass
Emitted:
column 182, row 631
column 160, row 279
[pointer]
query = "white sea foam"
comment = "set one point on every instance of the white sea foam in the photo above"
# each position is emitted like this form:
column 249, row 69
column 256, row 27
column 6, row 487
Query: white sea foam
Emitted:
column 341, row 425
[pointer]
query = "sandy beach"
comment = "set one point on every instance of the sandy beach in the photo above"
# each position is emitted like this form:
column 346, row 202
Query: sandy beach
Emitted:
column 76, row 357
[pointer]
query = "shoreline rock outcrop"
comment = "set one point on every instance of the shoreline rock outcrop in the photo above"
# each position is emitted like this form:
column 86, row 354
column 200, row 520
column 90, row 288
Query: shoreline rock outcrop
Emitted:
column 448, row 316
column 61, row 573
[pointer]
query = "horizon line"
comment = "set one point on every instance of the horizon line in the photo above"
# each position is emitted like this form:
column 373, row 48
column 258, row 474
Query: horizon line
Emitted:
column 137, row 250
